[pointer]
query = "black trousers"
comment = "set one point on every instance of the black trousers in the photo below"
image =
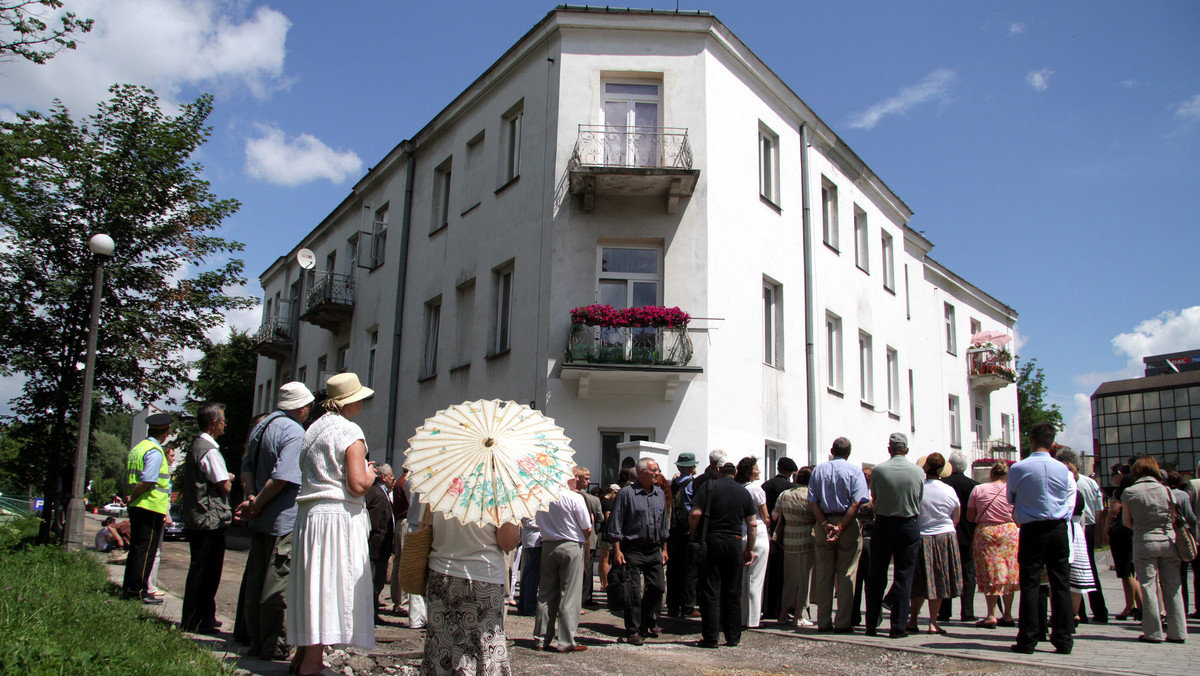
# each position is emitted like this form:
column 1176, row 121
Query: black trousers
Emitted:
column 719, row 588
column 647, row 560
column 1044, row 544
column 1095, row 598
column 894, row 539
column 681, row 576
column 203, row 577
column 531, row 575
column 967, row 599
column 145, row 535
column 379, row 577
column 773, row 587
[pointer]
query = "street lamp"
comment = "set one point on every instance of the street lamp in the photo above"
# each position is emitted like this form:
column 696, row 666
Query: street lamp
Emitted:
column 102, row 247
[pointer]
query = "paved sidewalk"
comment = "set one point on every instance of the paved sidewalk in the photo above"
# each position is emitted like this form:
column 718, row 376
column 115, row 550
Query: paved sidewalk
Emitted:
column 1110, row 648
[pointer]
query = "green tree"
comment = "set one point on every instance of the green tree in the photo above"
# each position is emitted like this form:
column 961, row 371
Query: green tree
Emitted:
column 125, row 171
column 1031, row 400
column 33, row 30
column 225, row 374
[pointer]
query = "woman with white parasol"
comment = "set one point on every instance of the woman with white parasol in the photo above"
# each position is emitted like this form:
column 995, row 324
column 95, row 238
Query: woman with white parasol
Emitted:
column 479, row 468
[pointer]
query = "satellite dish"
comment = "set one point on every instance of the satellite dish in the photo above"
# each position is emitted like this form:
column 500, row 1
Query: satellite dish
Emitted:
column 306, row 258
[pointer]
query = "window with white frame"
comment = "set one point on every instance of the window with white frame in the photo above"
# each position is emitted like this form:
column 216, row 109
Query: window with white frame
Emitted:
column 866, row 368
column 1006, row 428
column 889, row 262
column 474, row 173
column 829, row 213
column 833, row 351
column 893, row 381
column 772, row 323
column 976, row 327
column 258, row 399
column 502, row 300
column 862, row 253
column 302, row 375
column 379, row 237
column 768, row 164
column 610, row 455
column 270, row 402
column 631, row 123
column 510, row 143
column 630, row 275
column 429, row 352
column 441, row 195
column 773, row 451
column 979, row 423
column 372, row 346
column 352, row 253
column 951, row 342
column 322, row 370
column 464, row 309
column 343, row 358
column 955, row 436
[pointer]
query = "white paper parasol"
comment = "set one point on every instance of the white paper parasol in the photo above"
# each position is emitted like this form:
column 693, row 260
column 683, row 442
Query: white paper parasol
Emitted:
column 489, row 462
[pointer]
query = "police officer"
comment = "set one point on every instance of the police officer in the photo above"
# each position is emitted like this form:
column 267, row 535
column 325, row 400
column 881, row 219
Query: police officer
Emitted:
column 148, row 481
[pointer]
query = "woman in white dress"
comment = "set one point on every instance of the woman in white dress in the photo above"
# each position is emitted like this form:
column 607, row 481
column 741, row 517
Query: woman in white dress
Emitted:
column 753, row 578
column 330, row 597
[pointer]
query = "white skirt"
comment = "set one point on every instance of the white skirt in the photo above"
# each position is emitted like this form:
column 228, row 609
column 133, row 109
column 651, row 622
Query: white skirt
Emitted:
column 329, row 594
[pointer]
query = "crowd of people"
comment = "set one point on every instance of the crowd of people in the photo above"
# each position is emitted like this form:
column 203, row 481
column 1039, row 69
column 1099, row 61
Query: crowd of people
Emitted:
column 803, row 549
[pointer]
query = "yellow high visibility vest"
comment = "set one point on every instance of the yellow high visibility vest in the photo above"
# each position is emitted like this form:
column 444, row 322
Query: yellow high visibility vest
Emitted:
column 157, row 499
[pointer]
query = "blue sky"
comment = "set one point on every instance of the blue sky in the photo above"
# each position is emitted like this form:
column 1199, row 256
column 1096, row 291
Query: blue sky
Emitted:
column 1050, row 150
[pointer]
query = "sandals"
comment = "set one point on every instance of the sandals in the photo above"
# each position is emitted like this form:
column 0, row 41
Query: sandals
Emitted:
column 1006, row 623
column 987, row 624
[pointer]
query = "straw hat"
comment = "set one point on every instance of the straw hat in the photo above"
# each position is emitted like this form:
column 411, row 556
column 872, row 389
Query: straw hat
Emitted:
column 344, row 388
column 945, row 471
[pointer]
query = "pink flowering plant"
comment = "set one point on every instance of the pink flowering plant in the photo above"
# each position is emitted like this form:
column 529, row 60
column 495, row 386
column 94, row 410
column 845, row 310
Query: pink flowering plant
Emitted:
column 648, row 316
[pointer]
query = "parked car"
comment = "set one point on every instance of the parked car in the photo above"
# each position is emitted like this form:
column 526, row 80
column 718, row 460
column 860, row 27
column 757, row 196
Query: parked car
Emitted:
column 174, row 529
column 113, row 509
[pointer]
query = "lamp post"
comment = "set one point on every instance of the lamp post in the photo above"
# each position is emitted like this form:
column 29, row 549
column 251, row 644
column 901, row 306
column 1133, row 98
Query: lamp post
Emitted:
column 102, row 247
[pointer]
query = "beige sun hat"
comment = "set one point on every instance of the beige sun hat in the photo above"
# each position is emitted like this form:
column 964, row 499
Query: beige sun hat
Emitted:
column 943, row 473
column 344, row 388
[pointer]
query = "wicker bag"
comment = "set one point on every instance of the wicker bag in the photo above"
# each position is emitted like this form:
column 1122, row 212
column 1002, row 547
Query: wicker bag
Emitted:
column 414, row 557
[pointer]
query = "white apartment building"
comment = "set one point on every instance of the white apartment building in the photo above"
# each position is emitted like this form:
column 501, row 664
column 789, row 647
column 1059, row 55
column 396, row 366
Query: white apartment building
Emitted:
column 636, row 158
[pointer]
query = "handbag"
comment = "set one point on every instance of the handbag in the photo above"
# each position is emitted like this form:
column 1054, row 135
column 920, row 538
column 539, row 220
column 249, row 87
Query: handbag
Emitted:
column 1185, row 542
column 413, row 571
column 698, row 549
column 620, row 588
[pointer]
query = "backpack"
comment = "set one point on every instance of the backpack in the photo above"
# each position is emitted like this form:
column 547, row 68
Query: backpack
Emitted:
column 679, row 514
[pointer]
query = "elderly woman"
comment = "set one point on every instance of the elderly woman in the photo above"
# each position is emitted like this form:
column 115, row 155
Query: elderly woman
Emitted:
column 794, row 530
column 752, row 582
column 1150, row 513
column 995, row 546
column 939, row 569
column 329, row 596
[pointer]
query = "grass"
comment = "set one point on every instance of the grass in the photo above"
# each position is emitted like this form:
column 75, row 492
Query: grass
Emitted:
column 59, row 614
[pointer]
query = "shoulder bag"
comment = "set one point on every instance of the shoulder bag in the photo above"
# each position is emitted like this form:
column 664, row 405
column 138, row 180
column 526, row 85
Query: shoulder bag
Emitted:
column 1185, row 542
column 413, row 571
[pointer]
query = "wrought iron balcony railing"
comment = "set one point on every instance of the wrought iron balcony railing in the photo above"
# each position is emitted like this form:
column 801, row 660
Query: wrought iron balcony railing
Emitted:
column 626, row 345
column 275, row 330
column 330, row 289
column 632, row 147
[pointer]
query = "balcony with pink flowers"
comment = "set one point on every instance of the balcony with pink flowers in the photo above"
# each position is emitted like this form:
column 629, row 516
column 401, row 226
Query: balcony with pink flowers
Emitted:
column 990, row 363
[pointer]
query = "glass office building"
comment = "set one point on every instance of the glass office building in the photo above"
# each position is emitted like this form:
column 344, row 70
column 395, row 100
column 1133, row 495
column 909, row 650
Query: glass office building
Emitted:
column 1157, row 415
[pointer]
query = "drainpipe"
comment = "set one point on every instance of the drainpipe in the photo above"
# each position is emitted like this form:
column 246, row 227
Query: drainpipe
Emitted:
column 810, row 353
column 401, row 277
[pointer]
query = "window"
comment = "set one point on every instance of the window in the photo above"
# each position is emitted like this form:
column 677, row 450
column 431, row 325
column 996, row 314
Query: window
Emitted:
column 1006, row 428
column 258, row 402
column 433, row 317
column 979, row 423
column 889, row 262
column 270, row 402
column 912, row 404
column 951, row 343
column 631, row 124
column 510, row 142
column 331, row 262
column 833, row 352
column 955, row 439
column 379, row 237
column 372, row 345
column 610, row 455
column 829, row 213
column 302, row 375
column 774, row 451
column 352, row 255
column 768, row 165
column 866, row 368
column 464, row 308
column 629, row 276
column 441, row 195
column 772, row 324
column 862, row 254
column 976, row 327
column 474, row 172
column 502, row 282
column 893, row 382
column 343, row 358
column 322, row 370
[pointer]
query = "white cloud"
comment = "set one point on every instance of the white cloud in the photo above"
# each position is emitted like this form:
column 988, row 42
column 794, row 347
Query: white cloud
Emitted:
column 1039, row 79
column 1190, row 109
column 934, row 87
column 303, row 159
column 1016, row 28
column 1077, row 424
column 164, row 44
column 1129, row 83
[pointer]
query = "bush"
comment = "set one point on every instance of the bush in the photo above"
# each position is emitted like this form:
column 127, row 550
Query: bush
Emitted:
column 59, row 614
column 19, row 532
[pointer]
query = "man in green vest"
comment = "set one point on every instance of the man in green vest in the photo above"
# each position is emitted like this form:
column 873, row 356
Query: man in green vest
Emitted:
column 148, row 482
column 206, row 515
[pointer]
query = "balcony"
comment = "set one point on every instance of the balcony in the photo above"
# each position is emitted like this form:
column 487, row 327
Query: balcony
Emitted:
column 273, row 339
column 330, row 301
column 989, row 368
column 628, row 360
column 985, row 453
column 632, row 161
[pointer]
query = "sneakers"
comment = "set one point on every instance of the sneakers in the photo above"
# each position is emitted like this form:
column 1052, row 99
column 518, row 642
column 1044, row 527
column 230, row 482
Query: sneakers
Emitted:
column 150, row 599
column 634, row 639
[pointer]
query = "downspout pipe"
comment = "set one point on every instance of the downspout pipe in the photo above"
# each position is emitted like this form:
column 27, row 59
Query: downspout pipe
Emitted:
column 401, row 279
column 810, row 352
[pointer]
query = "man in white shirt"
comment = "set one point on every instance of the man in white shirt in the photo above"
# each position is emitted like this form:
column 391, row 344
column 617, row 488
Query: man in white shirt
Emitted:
column 206, row 515
column 565, row 528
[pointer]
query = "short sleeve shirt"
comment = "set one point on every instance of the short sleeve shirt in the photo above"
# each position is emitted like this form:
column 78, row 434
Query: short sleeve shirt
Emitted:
column 835, row 485
column 278, row 458
column 990, row 503
column 152, row 463
column 937, row 508
column 798, row 521
column 731, row 504
column 212, row 465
